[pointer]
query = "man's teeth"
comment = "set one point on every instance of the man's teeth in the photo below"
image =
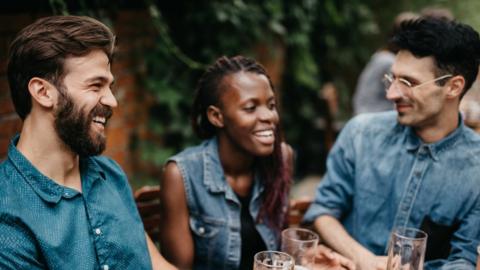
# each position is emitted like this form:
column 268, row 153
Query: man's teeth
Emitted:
column 264, row 133
column 101, row 120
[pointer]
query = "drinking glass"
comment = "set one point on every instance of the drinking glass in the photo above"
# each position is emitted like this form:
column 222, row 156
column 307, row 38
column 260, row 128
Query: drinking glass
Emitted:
column 272, row 260
column 302, row 245
column 406, row 249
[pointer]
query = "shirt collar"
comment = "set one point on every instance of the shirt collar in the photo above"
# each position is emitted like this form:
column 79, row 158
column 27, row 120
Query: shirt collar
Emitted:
column 414, row 142
column 212, row 166
column 45, row 187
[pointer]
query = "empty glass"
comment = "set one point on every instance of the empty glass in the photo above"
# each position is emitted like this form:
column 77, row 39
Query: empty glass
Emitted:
column 273, row 260
column 302, row 245
column 406, row 249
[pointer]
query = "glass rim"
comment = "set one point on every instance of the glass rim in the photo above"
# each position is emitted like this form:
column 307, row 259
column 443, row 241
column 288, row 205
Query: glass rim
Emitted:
column 315, row 235
column 398, row 233
column 272, row 252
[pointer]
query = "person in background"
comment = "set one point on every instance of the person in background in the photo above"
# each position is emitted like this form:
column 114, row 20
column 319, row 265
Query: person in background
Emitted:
column 416, row 167
column 369, row 93
column 437, row 13
column 226, row 199
column 61, row 205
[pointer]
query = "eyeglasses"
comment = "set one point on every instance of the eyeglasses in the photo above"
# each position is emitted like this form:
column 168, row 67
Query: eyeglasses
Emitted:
column 404, row 86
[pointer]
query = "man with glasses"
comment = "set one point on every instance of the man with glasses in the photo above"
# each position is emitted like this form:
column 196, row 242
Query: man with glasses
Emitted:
column 417, row 167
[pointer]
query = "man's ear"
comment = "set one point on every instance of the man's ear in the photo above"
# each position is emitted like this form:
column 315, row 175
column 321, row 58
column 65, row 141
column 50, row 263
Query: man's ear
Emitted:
column 43, row 92
column 215, row 116
column 457, row 85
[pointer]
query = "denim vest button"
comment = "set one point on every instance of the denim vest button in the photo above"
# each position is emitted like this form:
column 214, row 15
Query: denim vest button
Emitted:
column 201, row 230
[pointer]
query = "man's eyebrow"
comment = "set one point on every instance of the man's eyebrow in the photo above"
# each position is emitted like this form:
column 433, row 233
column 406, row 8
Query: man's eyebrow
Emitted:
column 102, row 79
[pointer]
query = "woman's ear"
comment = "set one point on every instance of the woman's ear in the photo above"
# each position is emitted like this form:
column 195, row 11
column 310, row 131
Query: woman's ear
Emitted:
column 43, row 92
column 215, row 116
column 457, row 85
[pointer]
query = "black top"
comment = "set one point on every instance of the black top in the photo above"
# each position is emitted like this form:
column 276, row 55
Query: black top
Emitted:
column 252, row 242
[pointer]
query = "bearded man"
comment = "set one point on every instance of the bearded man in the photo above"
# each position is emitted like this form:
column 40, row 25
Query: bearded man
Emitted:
column 61, row 205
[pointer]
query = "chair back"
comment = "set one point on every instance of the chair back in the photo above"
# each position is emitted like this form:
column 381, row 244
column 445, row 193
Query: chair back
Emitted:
column 148, row 204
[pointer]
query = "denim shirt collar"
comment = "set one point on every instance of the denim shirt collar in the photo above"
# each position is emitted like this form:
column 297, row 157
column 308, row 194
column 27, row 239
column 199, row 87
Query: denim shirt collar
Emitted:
column 212, row 164
column 413, row 142
column 45, row 187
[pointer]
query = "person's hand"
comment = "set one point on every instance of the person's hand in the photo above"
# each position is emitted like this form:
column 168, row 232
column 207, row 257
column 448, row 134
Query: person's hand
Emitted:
column 371, row 262
column 331, row 260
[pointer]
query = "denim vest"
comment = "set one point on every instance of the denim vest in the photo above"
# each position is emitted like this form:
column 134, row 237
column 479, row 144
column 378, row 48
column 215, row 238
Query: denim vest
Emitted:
column 215, row 209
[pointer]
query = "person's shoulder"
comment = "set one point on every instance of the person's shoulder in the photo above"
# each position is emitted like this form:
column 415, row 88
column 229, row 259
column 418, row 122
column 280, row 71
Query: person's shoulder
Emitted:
column 384, row 56
column 192, row 153
column 471, row 139
column 8, row 175
column 109, row 168
column 106, row 163
column 376, row 121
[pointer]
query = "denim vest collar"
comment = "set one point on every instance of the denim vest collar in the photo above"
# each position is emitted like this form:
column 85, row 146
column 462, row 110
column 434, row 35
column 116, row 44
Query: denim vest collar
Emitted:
column 434, row 149
column 45, row 187
column 212, row 166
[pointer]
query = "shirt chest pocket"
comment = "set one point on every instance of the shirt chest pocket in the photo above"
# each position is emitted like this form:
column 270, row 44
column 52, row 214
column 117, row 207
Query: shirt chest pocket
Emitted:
column 208, row 235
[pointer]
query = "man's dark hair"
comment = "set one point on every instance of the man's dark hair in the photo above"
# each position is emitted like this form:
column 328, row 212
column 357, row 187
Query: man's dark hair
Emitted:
column 40, row 50
column 454, row 46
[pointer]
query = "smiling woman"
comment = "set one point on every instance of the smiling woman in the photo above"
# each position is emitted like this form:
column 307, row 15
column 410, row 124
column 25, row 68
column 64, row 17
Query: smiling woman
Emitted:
column 226, row 199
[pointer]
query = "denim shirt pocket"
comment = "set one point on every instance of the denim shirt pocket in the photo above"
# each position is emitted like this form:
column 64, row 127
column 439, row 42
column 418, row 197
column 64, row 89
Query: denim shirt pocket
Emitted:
column 207, row 235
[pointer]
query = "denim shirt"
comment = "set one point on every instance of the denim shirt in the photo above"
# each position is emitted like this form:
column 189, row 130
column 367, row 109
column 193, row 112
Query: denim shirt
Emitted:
column 215, row 209
column 381, row 175
column 44, row 225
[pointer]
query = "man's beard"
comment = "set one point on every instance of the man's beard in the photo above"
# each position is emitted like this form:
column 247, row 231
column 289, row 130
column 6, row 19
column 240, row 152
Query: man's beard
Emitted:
column 74, row 127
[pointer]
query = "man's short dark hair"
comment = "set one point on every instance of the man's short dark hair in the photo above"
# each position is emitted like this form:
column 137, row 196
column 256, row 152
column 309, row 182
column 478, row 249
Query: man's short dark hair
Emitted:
column 454, row 46
column 40, row 50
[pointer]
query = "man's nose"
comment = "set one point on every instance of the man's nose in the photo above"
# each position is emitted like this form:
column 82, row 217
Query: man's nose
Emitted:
column 393, row 92
column 109, row 99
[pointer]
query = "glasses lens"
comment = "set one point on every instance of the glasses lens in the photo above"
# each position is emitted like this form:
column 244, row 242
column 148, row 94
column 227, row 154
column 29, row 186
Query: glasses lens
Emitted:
column 387, row 81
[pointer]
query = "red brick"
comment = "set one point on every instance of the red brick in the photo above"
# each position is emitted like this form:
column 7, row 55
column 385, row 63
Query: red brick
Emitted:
column 4, row 89
column 125, row 80
column 15, row 22
column 117, row 138
column 3, row 147
column 9, row 126
column 6, row 107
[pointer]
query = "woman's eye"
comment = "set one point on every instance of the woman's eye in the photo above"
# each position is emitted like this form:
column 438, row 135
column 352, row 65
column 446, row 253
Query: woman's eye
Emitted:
column 249, row 108
column 272, row 106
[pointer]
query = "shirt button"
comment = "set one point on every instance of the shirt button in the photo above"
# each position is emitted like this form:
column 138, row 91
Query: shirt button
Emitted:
column 201, row 230
column 105, row 267
column 98, row 232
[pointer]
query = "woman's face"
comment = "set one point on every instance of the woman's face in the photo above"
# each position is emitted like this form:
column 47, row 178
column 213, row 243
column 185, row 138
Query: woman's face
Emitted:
column 249, row 112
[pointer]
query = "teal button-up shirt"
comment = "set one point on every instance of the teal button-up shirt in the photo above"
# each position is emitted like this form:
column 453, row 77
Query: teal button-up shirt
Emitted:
column 44, row 225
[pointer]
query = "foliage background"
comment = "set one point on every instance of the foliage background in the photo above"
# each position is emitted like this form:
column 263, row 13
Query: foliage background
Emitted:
column 309, row 42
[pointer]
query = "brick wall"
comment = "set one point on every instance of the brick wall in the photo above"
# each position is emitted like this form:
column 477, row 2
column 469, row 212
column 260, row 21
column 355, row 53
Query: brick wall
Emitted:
column 129, row 120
